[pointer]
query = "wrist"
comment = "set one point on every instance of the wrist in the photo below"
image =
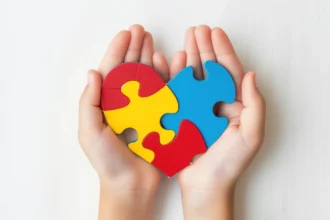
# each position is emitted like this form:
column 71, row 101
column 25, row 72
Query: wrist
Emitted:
column 125, row 203
column 133, row 183
column 208, row 204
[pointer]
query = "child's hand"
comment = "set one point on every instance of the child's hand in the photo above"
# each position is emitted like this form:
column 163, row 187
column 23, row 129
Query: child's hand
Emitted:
column 208, row 184
column 128, row 183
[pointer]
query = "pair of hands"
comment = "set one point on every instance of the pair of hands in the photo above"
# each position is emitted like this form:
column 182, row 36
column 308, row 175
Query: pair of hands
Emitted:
column 128, row 180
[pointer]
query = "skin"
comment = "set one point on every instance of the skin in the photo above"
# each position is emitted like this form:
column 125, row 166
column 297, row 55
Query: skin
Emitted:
column 207, row 186
column 127, row 183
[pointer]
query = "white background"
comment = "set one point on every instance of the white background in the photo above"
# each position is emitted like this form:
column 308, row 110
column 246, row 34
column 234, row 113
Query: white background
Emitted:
column 46, row 48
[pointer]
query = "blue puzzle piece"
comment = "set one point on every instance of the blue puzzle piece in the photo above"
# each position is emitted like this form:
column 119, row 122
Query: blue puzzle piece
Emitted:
column 197, row 98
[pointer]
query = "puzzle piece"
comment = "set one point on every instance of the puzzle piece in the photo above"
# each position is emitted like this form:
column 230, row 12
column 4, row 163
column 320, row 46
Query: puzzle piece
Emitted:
column 197, row 98
column 112, row 97
column 176, row 155
column 143, row 114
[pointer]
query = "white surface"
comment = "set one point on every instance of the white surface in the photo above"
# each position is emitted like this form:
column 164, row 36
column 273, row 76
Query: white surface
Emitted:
column 46, row 48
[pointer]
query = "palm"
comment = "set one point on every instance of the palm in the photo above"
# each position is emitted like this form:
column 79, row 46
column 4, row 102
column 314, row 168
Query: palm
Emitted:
column 227, row 158
column 118, row 160
column 225, row 155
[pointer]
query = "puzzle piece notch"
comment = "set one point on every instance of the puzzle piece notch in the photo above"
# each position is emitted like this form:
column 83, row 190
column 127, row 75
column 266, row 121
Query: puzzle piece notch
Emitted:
column 112, row 99
column 176, row 155
column 120, row 75
column 198, row 97
column 150, row 82
column 143, row 115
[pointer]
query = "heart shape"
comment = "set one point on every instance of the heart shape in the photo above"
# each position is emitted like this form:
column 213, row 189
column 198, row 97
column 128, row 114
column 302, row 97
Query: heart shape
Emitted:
column 174, row 121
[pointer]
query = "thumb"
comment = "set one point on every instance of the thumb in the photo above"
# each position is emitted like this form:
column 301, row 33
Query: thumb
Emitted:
column 252, row 126
column 90, row 113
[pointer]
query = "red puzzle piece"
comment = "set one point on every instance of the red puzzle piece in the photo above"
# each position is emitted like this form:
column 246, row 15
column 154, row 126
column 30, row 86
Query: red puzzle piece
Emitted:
column 150, row 81
column 112, row 98
column 177, row 154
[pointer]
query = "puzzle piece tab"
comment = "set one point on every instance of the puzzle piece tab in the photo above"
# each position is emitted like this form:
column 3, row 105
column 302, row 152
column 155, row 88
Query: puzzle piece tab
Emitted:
column 197, row 98
column 112, row 97
column 143, row 114
column 176, row 155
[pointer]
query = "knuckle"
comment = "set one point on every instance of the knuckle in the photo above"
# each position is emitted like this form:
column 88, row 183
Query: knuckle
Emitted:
column 81, row 138
column 82, row 97
column 263, row 100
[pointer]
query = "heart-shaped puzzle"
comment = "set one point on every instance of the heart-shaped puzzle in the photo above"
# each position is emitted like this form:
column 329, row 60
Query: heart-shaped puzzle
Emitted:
column 173, row 121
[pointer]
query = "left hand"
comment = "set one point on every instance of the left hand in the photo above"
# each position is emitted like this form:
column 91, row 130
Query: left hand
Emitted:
column 214, row 174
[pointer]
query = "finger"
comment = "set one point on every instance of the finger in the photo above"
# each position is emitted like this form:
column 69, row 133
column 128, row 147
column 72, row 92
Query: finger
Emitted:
column 135, row 44
column 226, row 56
column 204, row 44
column 115, row 53
column 253, row 114
column 160, row 65
column 195, row 158
column 147, row 50
column 231, row 111
column 90, row 114
column 191, row 49
column 178, row 63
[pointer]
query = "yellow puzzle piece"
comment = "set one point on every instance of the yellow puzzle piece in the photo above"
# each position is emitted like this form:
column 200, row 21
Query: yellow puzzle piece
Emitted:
column 143, row 114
